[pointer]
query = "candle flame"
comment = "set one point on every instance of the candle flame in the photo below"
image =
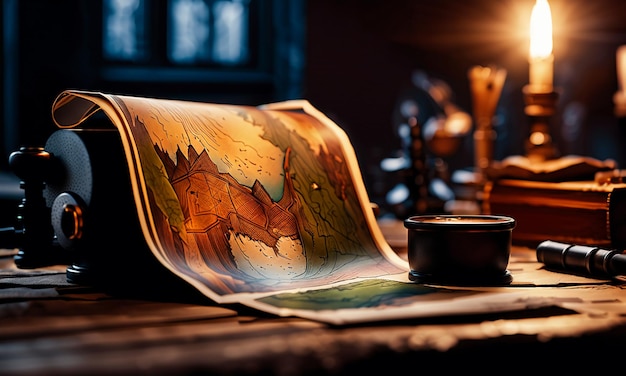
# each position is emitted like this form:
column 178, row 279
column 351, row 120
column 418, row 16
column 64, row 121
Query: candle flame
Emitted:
column 541, row 30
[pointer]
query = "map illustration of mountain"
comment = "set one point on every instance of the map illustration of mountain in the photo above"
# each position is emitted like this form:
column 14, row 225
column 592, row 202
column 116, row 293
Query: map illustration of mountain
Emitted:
column 242, row 199
column 217, row 209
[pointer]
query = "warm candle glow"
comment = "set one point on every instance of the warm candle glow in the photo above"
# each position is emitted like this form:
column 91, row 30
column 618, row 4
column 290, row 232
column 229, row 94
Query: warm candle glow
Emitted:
column 619, row 98
column 621, row 68
column 541, row 59
column 541, row 30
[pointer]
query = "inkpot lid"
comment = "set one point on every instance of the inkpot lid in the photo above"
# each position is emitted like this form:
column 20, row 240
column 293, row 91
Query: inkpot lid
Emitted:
column 460, row 222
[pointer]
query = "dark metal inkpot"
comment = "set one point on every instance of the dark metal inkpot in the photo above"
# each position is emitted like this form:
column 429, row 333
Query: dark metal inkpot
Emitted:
column 459, row 249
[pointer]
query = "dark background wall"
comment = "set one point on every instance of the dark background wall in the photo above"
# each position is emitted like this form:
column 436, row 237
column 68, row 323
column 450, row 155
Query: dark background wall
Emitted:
column 360, row 55
column 357, row 58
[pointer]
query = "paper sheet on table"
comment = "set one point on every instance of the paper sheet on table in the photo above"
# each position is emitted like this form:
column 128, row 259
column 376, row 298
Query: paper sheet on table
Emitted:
column 265, row 206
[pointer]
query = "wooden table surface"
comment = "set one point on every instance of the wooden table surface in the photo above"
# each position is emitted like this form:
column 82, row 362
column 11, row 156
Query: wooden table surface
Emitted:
column 51, row 327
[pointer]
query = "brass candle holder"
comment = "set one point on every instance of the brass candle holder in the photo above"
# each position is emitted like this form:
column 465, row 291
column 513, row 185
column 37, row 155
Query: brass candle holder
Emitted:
column 540, row 107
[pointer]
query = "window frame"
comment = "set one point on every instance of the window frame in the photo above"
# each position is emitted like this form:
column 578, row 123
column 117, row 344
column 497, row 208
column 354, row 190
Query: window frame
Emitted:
column 159, row 69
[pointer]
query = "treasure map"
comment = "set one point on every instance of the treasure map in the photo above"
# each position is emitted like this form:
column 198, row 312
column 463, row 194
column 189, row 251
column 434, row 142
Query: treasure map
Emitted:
column 265, row 206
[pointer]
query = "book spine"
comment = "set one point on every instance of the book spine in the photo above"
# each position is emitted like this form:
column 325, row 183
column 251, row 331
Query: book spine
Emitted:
column 582, row 217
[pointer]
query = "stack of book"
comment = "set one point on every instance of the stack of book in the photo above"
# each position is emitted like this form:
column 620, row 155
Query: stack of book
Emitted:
column 581, row 212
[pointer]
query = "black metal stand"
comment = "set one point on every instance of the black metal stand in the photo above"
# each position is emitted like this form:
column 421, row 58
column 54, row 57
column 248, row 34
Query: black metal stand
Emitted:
column 34, row 235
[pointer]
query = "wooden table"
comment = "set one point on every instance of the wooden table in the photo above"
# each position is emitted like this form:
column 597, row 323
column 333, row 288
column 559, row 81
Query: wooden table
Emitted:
column 48, row 326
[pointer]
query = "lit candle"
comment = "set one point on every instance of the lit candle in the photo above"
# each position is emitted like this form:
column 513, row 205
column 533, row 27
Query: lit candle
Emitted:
column 541, row 58
column 619, row 98
column 621, row 69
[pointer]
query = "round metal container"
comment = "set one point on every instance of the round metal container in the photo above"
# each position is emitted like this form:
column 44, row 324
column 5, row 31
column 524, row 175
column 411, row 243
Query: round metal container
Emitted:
column 459, row 249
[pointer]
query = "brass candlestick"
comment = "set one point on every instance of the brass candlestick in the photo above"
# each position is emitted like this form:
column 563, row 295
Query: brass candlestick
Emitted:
column 540, row 107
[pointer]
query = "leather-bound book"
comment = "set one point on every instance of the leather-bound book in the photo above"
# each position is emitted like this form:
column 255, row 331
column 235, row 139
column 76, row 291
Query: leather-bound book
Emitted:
column 581, row 212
